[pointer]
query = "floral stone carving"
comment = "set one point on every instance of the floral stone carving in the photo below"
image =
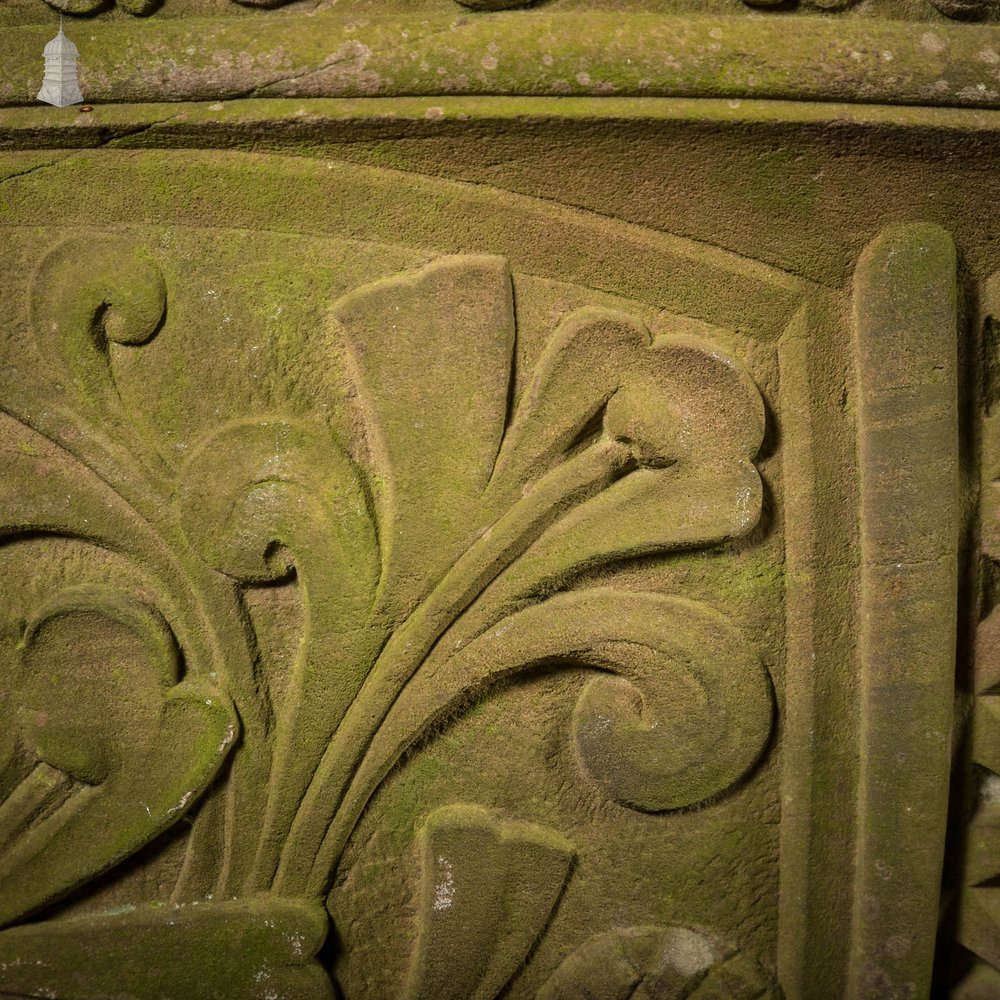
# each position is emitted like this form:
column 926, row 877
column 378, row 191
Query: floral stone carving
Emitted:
column 446, row 534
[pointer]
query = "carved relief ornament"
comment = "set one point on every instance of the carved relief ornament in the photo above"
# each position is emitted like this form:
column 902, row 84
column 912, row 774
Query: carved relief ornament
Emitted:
column 436, row 547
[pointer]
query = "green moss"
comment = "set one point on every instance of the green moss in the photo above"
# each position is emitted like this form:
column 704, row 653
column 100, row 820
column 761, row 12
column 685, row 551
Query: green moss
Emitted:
column 402, row 808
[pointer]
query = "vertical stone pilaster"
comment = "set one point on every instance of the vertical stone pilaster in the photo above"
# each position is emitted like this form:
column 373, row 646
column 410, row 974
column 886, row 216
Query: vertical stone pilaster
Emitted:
column 906, row 318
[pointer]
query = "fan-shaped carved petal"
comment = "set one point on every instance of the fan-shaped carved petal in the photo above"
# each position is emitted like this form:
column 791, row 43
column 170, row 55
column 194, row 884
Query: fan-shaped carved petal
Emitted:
column 431, row 353
column 487, row 894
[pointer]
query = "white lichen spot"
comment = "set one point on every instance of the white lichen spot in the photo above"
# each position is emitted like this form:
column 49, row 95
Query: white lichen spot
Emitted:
column 977, row 93
column 185, row 799
column 989, row 789
column 887, row 56
column 744, row 508
column 690, row 952
column 583, row 79
column 989, row 56
column 434, row 113
column 227, row 738
column 444, row 889
column 601, row 724
column 489, row 62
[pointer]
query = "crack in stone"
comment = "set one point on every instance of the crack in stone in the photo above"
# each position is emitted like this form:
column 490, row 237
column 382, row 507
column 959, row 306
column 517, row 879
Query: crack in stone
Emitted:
column 31, row 170
column 261, row 89
column 385, row 53
column 139, row 130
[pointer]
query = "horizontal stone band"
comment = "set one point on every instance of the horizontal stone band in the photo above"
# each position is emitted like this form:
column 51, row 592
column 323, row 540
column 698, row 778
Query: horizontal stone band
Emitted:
column 522, row 53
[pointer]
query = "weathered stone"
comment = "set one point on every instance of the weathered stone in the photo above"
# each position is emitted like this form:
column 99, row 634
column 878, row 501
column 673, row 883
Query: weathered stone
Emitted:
column 501, row 502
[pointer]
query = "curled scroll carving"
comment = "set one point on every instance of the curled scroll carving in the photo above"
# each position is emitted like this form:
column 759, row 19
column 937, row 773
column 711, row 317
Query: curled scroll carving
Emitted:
column 103, row 685
column 98, row 736
column 681, row 722
column 432, row 539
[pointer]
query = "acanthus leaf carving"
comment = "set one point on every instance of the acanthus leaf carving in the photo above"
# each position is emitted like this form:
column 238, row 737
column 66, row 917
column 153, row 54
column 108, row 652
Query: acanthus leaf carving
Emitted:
column 431, row 540
column 523, row 513
column 76, row 771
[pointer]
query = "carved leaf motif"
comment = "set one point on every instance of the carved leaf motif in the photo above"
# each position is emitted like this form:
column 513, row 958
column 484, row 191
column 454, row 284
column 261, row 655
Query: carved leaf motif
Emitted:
column 621, row 445
column 256, row 499
column 683, row 710
column 657, row 963
column 488, row 891
column 247, row 949
column 427, row 549
column 99, row 696
column 116, row 734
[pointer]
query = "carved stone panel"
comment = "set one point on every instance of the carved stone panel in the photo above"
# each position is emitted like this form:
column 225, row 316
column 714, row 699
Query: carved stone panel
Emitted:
column 472, row 547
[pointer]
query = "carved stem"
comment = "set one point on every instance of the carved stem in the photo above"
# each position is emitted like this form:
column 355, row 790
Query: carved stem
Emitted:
column 312, row 836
